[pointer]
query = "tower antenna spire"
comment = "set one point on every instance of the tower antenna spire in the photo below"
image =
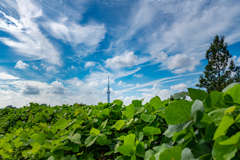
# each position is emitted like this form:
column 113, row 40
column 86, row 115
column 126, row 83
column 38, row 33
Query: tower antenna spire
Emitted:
column 108, row 92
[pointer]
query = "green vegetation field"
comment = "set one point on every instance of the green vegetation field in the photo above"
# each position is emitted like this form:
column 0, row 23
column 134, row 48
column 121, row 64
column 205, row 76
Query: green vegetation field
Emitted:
column 208, row 127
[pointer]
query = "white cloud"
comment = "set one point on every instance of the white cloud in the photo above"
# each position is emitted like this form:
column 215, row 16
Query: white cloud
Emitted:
column 30, row 42
column 89, row 64
column 34, row 67
column 138, row 75
column 31, row 90
column 75, row 34
column 127, row 59
column 123, row 84
column 5, row 76
column 180, row 63
column 120, row 83
column 179, row 87
column 57, row 87
column 159, row 56
column 21, row 65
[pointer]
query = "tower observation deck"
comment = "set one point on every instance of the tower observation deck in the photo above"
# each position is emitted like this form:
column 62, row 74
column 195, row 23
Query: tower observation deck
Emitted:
column 108, row 92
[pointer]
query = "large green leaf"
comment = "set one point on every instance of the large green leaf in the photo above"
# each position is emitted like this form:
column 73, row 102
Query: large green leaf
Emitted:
column 234, row 140
column 126, row 149
column 151, row 130
column 174, row 153
column 103, row 125
column 234, row 92
column 156, row 102
column 148, row 117
column 37, row 139
column 210, row 131
column 102, row 139
column 217, row 115
column 76, row 138
column 149, row 154
column 129, row 139
column 90, row 140
column 213, row 100
column 197, row 94
column 197, row 110
column 119, row 124
column 186, row 154
column 226, row 122
column 130, row 110
column 229, row 86
column 94, row 132
column 223, row 152
column 137, row 103
column 178, row 112
column 61, row 123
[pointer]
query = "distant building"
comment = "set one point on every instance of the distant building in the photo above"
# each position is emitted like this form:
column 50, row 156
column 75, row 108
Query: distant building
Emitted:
column 10, row 106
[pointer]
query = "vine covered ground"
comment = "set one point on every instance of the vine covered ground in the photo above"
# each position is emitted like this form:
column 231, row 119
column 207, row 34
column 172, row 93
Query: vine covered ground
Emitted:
column 207, row 127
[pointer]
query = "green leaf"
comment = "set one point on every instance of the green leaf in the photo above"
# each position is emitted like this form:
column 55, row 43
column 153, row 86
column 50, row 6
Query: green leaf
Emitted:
column 209, row 131
column 186, row 154
column 137, row 103
column 156, row 102
column 226, row 122
column 197, row 106
column 130, row 110
column 178, row 112
column 105, row 112
column 102, row 139
column 213, row 100
column 74, row 157
column 129, row 139
column 61, row 147
column 223, row 152
column 126, row 149
column 229, row 86
column 234, row 93
column 90, row 140
column 151, row 130
column 148, row 117
column 103, row 125
column 179, row 127
column 230, row 110
column 140, row 136
column 234, row 140
column 118, row 102
column 150, row 153
column 140, row 150
column 174, row 153
column 119, row 124
column 217, row 115
column 94, row 132
column 37, row 139
column 61, row 123
column 134, row 157
column 197, row 110
column 76, row 138
column 197, row 94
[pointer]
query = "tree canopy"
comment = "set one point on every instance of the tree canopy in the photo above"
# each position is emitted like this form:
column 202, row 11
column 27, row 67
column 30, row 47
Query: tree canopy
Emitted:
column 218, row 73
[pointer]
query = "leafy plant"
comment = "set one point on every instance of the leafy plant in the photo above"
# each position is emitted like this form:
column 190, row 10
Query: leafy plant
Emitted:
column 208, row 127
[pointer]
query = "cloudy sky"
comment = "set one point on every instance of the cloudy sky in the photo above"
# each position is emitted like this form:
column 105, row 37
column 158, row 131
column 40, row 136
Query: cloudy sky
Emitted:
column 62, row 51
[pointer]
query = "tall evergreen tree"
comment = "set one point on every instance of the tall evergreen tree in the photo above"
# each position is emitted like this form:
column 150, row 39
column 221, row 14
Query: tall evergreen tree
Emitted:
column 216, row 75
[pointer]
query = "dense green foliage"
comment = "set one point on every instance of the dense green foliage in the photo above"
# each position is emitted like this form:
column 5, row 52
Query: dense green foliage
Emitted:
column 216, row 75
column 208, row 127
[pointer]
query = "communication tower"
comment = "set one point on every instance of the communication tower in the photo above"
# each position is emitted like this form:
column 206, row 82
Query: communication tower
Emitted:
column 108, row 92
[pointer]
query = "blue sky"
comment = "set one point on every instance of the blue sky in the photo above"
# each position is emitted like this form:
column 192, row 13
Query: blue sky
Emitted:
column 62, row 51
